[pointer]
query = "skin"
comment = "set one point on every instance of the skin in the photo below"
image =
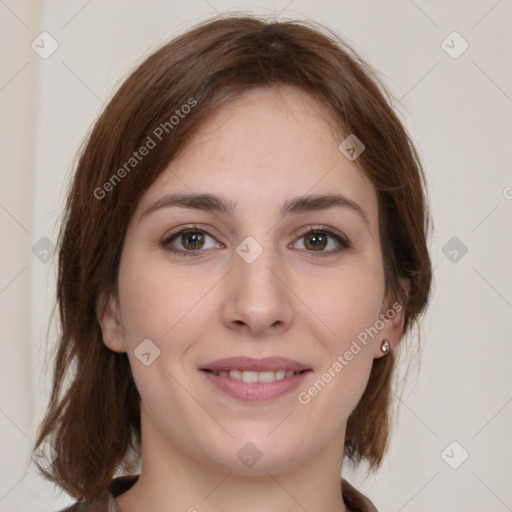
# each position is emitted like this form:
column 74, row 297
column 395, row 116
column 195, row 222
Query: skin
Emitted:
column 295, row 300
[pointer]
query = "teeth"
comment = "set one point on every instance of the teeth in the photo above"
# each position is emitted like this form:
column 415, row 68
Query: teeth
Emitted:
column 251, row 377
column 280, row 374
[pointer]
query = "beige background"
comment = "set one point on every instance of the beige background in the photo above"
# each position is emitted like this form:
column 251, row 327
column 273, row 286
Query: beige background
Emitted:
column 457, row 109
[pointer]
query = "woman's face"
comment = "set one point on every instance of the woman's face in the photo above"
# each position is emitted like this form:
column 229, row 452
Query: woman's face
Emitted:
column 280, row 258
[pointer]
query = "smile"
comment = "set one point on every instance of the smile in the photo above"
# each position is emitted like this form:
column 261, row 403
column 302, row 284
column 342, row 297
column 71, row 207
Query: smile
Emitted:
column 252, row 387
column 251, row 377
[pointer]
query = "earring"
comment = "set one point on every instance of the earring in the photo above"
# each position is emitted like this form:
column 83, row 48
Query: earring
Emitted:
column 385, row 347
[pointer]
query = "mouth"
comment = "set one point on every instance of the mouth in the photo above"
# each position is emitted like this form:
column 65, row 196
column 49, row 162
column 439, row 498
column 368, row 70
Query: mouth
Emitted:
column 251, row 377
column 255, row 380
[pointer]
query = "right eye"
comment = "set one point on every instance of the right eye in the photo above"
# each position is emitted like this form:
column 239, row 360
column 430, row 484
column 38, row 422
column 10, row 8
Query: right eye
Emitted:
column 190, row 241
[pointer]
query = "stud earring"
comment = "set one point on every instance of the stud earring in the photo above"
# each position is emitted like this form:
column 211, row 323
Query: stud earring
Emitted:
column 385, row 347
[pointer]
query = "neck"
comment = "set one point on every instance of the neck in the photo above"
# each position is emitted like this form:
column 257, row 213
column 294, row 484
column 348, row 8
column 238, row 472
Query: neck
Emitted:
column 172, row 479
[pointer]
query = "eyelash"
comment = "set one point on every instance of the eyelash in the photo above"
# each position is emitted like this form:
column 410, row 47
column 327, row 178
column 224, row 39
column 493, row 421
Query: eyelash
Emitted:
column 343, row 242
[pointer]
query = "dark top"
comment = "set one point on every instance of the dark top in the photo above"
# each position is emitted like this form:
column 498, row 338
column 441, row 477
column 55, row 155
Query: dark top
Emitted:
column 354, row 500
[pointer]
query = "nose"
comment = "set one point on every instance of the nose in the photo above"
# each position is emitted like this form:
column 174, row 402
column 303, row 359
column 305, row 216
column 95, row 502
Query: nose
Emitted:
column 257, row 299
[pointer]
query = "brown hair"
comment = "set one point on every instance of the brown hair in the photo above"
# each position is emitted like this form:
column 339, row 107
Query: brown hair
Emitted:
column 93, row 419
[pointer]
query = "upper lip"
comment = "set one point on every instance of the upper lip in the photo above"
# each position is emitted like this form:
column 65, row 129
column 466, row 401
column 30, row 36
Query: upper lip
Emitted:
column 244, row 363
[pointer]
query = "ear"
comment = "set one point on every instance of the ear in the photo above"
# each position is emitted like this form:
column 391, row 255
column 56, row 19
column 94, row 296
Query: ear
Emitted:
column 392, row 315
column 107, row 312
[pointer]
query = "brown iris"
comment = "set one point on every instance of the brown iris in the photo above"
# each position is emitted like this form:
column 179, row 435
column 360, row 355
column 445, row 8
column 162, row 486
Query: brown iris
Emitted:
column 193, row 240
column 315, row 241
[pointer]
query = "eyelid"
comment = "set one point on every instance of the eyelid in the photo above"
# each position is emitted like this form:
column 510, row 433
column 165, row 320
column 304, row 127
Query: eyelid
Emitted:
column 191, row 227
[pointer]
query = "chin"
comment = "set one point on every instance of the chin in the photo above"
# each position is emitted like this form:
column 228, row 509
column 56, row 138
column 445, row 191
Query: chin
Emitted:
column 257, row 453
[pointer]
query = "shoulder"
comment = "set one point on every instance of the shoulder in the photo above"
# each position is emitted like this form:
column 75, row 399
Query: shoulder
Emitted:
column 92, row 505
column 100, row 504
column 106, row 502
column 355, row 500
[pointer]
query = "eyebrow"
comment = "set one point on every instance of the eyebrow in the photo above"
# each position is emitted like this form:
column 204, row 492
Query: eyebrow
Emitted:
column 215, row 203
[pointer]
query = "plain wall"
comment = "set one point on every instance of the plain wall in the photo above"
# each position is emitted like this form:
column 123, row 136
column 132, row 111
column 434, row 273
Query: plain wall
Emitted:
column 458, row 111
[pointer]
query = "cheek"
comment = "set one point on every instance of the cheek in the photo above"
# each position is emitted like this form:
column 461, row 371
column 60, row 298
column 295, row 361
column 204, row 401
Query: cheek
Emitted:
column 161, row 305
column 348, row 308
column 346, row 304
column 157, row 299
column 170, row 308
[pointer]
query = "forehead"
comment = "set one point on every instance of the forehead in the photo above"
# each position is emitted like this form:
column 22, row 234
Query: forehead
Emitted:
column 265, row 143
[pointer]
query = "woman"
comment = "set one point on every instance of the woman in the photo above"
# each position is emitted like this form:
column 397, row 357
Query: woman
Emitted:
column 244, row 246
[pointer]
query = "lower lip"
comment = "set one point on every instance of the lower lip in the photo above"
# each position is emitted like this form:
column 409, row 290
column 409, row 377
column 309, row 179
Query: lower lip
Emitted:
column 256, row 391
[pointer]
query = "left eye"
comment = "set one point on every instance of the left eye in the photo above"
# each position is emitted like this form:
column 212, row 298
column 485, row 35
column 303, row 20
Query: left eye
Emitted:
column 322, row 240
